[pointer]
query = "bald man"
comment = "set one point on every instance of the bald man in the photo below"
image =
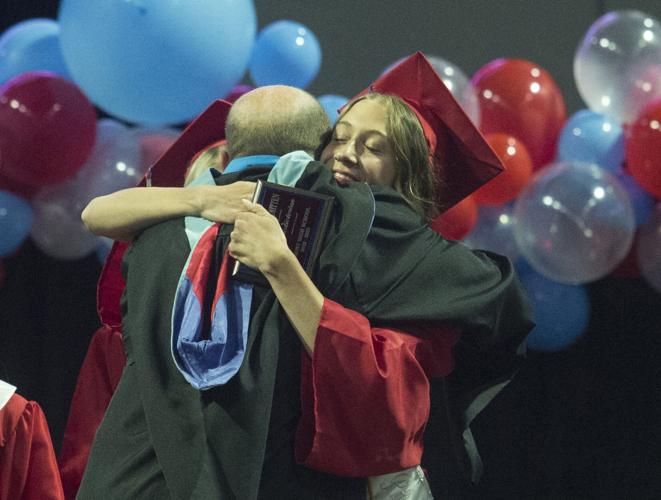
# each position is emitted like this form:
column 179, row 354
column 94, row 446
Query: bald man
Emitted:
column 161, row 438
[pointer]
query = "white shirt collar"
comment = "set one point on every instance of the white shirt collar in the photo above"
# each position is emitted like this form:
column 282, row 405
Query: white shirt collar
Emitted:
column 6, row 392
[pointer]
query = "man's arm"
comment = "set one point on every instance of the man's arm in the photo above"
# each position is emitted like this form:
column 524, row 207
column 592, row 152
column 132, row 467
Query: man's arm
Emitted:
column 123, row 214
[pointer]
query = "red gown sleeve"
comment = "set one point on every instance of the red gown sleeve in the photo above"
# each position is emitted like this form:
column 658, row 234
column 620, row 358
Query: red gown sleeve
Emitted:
column 365, row 393
column 97, row 380
column 28, row 469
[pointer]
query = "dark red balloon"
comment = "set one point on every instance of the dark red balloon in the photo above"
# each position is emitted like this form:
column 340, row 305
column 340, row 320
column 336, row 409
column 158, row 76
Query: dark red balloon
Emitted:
column 519, row 98
column 643, row 149
column 23, row 190
column 47, row 129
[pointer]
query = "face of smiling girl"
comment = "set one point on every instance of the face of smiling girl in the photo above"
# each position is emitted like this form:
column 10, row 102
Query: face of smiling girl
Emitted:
column 360, row 149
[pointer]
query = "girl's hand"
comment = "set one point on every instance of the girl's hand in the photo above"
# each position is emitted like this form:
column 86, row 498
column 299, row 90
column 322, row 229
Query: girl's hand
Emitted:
column 257, row 239
column 222, row 203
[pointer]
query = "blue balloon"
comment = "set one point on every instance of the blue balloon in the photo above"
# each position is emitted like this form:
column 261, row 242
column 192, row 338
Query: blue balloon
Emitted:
column 641, row 201
column 331, row 104
column 285, row 53
column 156, row 61
column 31, row 45
column 561, row 311
column 594, row 138
column 15, row 222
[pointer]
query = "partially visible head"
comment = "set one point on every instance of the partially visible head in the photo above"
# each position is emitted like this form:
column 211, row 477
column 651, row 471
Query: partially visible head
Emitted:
column 275, row 120
column 213, row 156
column 378, row 139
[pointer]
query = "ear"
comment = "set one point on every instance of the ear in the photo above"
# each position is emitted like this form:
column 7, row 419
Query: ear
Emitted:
column 223, row 157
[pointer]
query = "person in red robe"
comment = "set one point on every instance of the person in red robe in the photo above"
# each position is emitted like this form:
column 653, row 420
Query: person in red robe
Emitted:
column 28, row 468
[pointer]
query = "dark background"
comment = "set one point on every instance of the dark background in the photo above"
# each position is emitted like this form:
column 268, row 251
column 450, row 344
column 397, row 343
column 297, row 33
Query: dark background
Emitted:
column 583, row 423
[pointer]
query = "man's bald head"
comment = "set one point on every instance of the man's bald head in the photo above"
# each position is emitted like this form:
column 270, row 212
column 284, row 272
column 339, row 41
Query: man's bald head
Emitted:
column 275, row 120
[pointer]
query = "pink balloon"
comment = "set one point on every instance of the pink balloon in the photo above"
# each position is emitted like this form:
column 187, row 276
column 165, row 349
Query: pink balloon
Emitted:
column 47, row 128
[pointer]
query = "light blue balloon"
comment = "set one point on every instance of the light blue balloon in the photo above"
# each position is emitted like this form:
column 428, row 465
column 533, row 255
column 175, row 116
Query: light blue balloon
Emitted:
column 15, row 222
column 494, row 231
column 594, row 138
column 331, row 104
column 641, row 201
column 285, row 53
column 561, row 311
column 156, row 61
column 31, row 45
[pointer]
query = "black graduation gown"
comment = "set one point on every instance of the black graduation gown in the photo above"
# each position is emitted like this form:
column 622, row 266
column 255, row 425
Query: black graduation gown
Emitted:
column 213, row 444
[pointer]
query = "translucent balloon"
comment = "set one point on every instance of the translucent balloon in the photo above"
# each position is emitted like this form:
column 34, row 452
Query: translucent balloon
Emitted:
column 518, row 167
column 494, row 231
column 617, row 66
column 649, row 249
column 47, row 128
column 15, row 222
column 156, row 61
column 31, row 45
column 561, row 312
column 114, row 163
column 594, row 138
column 332, row 104
column 574, row 222
column 459, row 85
column 153, row 143
column 287, row 53
column 519, row 98
column 57, row 229
column 643, row 149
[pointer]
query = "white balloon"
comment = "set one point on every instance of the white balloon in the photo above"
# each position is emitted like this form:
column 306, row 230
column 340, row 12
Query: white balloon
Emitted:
column 494, row 231
column 57, row 228
column 617, row 66
column 574, row 222
column 459, row 85
column 114, row 163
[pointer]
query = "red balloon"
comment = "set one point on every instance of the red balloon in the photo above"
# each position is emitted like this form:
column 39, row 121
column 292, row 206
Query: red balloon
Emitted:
column 47, row 128
column 456, row 222
column 519, row 98
column 518, row 167
column 643, row 149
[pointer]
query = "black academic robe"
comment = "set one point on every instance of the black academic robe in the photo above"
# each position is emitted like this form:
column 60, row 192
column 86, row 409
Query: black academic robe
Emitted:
column 161, row 436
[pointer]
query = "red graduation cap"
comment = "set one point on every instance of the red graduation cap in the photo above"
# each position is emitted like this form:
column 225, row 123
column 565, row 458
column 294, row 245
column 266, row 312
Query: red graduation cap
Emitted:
column 462, row 157
column 203, row 132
